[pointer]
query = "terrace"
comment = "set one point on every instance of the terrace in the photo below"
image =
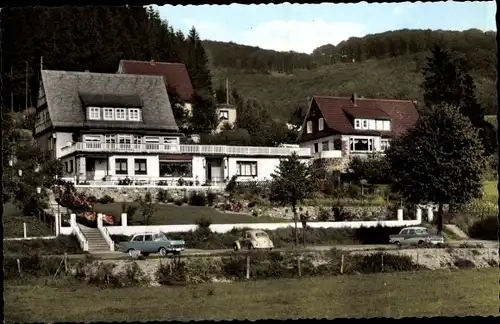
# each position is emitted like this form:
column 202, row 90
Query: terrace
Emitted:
column 220, row 150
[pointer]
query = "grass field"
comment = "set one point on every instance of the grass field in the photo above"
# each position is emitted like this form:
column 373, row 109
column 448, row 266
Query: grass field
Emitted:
column 424, row 293
column 491, row 191
column 168, row 214
column 13, row 220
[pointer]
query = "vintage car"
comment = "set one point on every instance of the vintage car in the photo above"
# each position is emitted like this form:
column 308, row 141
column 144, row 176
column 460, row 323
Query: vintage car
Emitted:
column 415, row 236
column 147, row 243
column 253, row 239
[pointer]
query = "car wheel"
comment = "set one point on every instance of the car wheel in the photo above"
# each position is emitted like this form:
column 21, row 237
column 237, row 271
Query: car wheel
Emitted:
column 421, row 243
column 163, row 251
column 398, row 244
column 130, row 251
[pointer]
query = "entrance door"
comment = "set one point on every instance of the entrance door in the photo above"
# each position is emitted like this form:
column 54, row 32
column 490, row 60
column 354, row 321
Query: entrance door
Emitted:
column 209, row 171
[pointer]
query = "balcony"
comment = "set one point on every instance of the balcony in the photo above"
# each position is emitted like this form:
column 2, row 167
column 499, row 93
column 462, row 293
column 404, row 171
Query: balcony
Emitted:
column 221, row 150
column 328, row 154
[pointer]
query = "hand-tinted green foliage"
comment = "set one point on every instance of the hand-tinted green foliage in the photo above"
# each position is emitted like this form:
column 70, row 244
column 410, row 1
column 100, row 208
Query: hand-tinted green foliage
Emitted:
column 373, row 169
column 439, row 160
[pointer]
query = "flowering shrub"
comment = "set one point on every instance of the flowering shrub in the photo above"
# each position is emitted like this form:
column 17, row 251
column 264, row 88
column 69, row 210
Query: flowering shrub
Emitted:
column 107, row 219
column 234, row 206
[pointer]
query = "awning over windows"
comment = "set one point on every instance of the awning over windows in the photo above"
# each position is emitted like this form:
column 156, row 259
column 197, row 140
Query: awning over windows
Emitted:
column 176, row 157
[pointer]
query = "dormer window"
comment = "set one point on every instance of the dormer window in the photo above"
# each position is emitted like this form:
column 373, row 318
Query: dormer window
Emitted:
column 94, row 113
column 134, row 114
column 321, row 124
column 357, row 124
column 224, row 114
column 309, row 127
column 365, row 124
column 108, row 114
column 387, row 125
column 120, row 114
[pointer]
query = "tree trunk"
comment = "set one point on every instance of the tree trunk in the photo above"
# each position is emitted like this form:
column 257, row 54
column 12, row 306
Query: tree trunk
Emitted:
column 440, row 219
column 294, row 208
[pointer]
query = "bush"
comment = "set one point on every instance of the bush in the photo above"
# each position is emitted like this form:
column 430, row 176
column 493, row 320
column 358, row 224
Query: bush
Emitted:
column 323, row 215
column 485, row 228
column 211, row 198
column 57, row 246
column 204, row 223
column 31, row 266
column 172, row 273
column 373, row 263
column 163, row 195
column 179, row 201
column 464, row 263
column 197, row 199
column 106, row 199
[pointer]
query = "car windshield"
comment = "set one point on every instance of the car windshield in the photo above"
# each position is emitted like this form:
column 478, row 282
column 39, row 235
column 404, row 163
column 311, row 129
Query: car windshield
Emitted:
column 421, row 231
column 260, row 234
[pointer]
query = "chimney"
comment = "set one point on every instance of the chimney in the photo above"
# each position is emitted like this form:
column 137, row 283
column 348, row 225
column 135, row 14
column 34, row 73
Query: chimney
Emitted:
column 353, row 99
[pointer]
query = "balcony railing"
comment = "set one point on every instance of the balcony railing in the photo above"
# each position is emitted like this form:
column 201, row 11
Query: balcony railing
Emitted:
column 186, row 149
column 328, row 154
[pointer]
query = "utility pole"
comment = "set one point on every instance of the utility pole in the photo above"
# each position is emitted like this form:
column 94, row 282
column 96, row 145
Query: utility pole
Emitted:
column 11, row 89
column 26, row 90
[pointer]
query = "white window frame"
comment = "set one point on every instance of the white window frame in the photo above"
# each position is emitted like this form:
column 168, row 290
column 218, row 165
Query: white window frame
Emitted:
column 223, row 114
column 136, row 139
column 385, row 143
column 246, row 168
column 94, row 113
column 380, row 125
column 321, row 124
column 352, row 144
column 170, row 140
column 119, row 112
column 309, row 126
column 127, row 139
column 110, row 138
column 371, row 124
column 387, row 125
column 357, row 124
column 151, row 140
column 108, row 113
column 134, row 114
column 323, row 146
column 91, row 138
column 365, row 124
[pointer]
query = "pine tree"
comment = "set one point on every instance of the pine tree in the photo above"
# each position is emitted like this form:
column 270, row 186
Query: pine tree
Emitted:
column 442, row 80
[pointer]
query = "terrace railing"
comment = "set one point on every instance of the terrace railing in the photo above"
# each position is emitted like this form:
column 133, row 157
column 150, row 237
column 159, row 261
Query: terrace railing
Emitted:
column 184, row 149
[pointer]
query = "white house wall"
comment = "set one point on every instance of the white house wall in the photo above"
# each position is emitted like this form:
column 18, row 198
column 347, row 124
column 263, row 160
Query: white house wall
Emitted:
column 62, row 140
column 310, row 144
column 198, row 169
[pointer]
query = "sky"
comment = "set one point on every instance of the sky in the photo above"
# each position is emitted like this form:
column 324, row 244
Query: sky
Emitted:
column 304, row 27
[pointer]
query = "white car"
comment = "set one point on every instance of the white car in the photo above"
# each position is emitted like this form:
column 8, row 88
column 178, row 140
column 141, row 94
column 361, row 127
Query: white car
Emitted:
column 254, row 239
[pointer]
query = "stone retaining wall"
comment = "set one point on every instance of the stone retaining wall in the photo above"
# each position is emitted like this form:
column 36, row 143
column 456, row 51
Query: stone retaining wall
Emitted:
column 357, row 212
column 129, row 194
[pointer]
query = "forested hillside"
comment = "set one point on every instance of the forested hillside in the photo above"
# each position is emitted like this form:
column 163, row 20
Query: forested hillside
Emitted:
column 386, row 65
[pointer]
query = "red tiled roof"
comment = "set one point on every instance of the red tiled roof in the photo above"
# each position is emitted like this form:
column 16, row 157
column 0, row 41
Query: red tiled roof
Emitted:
column 335, row 110
column 175, row 75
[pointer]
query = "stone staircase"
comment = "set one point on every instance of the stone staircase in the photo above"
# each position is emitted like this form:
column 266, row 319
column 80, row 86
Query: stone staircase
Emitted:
column 97, row 243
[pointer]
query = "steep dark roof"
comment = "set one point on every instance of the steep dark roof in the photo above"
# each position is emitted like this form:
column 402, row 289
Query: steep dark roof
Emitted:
column 335, row 111
column 110, row 100
column 175, row 75
column 63, row 91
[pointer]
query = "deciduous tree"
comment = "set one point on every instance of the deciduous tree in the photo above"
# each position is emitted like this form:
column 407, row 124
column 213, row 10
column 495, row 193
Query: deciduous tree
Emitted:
column 147, row 207
column 440, row 160
column 291, row 184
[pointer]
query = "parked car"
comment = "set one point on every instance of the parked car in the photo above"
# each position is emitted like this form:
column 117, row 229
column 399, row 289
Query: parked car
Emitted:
column 415, row 235
column 253, row 239
column 148, row 243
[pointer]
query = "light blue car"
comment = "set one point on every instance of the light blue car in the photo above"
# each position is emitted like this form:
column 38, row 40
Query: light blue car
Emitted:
column 147, row 243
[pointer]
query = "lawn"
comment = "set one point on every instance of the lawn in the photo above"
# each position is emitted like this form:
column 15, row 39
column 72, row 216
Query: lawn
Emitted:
column 424, row 293
column 168, row 214
column 491, row 191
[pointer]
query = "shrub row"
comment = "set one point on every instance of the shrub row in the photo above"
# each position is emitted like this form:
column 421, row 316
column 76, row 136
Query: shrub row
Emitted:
column 207, row 269
column 196, row 198
column 57, row 246
column 203, row 238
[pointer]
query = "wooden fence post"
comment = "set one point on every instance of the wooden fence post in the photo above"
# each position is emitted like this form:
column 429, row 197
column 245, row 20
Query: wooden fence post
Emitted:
column 248, row 267
column 298, row 265
column 19, row 266
column 382, row 260
column 342, row 264
column 25, row 230
column 65, row 262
